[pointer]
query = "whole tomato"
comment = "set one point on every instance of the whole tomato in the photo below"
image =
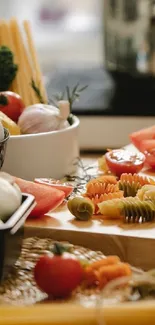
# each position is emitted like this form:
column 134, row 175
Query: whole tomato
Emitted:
column 58, row 275
column 11, row 105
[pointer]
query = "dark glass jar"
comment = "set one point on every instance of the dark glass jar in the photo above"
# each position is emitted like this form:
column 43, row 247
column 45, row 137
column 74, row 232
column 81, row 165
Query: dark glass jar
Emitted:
column 129, row 42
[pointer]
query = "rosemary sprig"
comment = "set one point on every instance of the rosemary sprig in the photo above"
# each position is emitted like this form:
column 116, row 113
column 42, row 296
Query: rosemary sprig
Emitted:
column 72, row 95
column 80, row 180
column 37, row 91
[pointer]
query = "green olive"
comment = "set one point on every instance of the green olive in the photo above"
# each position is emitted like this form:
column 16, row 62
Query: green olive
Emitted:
column 81, row 208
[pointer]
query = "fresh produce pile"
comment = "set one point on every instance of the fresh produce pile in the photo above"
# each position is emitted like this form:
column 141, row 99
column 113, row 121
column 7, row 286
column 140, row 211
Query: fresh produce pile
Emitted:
column 85, row 277
column 120, row 192
column 131, row 199
column 61, row 274
column 24, row 106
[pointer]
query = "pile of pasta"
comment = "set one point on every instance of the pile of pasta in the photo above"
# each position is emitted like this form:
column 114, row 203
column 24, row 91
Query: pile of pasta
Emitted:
column 131, row 198
column 19, row 39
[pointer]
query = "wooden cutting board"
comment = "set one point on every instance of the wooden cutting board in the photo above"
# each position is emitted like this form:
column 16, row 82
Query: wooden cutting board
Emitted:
column 131, row 242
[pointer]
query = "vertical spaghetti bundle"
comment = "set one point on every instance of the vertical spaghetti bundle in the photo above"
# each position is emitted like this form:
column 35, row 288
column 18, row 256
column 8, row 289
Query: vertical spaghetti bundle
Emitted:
column 20, row 42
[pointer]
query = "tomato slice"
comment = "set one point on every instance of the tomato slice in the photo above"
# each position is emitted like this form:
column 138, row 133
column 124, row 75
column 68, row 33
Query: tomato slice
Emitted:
column 47, row 198
column 65, row 187
column 150, row 159
column 122, row 161
column 148, row 148
column 138, row 137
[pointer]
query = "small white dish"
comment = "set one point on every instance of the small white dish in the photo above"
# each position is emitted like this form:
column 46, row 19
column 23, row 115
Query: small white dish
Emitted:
column 50, row 154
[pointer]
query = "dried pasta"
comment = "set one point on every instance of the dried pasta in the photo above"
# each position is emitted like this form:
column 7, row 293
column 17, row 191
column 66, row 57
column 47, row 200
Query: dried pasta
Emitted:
column 104, row 197
column 129, row 189
column 101, row 185
column 19, row 40
column 130, row 184
column 136, row 178
column 102, row 165
column 130, row 209
column 147, row 192
column 109, row 179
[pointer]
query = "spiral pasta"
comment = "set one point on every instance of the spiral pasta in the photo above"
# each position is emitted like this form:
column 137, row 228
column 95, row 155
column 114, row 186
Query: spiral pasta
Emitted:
column 129, row 189
column 101, row 185
column 142, row 180
column 104, row 197
column 130, row 209
column 147, row 192
column 130, row 184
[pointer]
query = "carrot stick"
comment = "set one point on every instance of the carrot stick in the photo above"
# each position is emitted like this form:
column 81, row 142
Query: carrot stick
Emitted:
column 114, row 271
column 91, row 277
column 109, row 260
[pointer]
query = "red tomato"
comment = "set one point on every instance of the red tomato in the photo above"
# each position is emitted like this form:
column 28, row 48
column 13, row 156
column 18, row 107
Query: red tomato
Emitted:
column 122, row 161
column 11, row 105
column 58, row 275
column 66, row 188
column 47, row 198
column 144, row 134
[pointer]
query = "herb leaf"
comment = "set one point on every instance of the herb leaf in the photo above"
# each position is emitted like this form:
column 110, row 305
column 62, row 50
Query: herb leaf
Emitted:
column 71, row 95
column 37, row 91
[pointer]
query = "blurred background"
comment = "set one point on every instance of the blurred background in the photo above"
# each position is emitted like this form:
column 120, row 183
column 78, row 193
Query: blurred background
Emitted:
column 109, row 46
column 65, row 31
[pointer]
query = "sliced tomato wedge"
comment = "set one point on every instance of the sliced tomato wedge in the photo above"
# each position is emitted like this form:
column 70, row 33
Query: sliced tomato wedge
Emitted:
column 65, row 187
column 148, row 148
column 139, row 136
column 122, row 161
column 47, row 198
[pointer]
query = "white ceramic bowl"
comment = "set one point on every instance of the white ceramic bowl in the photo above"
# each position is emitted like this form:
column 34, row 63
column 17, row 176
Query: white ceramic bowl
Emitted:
column 50, row 154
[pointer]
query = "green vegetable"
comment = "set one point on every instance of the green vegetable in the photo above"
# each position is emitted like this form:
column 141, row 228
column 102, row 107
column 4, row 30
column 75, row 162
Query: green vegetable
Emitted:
column 59, row 248
column 37, row 91
column 81, row 208
column 8, row 69
column 145, row 284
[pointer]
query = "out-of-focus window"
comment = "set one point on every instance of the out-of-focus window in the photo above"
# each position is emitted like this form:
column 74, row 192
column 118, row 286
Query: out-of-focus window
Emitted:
column 65, row 31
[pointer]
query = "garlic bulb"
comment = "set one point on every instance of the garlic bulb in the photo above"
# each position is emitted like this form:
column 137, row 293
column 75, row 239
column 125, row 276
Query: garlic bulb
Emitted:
column 10, row 196
column 40, row 118
column 63, row 125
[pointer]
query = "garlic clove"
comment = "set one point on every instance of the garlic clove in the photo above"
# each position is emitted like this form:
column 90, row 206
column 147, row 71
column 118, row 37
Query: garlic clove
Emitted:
column 7, row 177
column 10, row 199
column 64, row 108
column 10, row 179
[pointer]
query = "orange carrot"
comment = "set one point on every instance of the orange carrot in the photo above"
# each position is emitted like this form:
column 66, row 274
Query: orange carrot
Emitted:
column 100, row 272
column 109, row 260
column 114, row 271
column 91, row 277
